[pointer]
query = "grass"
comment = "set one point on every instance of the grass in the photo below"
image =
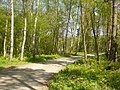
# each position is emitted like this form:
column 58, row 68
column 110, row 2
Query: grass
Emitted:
column 6, row 64
column 41, row 58
column 89, row 76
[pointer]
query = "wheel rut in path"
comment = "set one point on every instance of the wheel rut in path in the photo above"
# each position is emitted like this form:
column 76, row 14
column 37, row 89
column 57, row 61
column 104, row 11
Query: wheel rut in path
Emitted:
column 33, row 76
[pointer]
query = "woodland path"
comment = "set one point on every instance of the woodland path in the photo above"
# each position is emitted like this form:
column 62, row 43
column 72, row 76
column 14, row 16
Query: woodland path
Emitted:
column 33, row 76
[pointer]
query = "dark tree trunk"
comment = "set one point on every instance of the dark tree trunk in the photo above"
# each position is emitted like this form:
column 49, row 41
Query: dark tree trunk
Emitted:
column 94, row 33
column 113, row 49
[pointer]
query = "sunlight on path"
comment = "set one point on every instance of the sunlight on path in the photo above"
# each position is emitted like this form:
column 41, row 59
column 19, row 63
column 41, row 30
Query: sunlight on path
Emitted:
column 34, row 76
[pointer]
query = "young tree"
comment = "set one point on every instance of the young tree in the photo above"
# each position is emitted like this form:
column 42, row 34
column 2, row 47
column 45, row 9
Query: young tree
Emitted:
column 78, row 30
column 34, row 31
column 24, row 32
column 12, row 30
column 66, row 33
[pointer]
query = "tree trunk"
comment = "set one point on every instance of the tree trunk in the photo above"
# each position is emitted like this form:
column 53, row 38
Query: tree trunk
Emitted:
column 78, row 31
column 34, row 31
column 66, row 34
column 94, row 33
column 72, row 41
column 107, row 44
column 83, row 31
column 85, row 46
column 113, row 49
column 6, row 29
column 24, row 39
column 24, row 33
column 56, row 30
column 12, row 30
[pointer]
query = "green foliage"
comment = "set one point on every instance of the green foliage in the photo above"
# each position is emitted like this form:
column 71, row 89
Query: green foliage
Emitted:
column 5, row 62
column 88, row 76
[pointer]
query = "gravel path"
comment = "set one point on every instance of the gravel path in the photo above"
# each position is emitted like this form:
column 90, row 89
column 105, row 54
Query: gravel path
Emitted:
column 33, row 76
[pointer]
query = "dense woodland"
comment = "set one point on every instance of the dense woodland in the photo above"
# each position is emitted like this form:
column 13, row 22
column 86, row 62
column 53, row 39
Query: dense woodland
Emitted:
column 35, row 27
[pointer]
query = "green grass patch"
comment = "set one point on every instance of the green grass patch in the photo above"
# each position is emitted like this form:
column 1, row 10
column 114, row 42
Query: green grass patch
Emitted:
column 6, row 64
column 41, row 58
column 89, row 76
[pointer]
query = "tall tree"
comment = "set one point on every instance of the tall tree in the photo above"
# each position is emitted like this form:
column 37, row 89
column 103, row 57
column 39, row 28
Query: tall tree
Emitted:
column 35, row 30
column 113, row 49
column 12, row 30
column 24, row 32
column 78, row 30
column 67, row 29
column 56, row 30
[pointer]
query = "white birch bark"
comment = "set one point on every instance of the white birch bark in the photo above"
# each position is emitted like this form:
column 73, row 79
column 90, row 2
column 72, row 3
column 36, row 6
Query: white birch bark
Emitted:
column 5, row 38
column 24, row 39
column 12, row 30
column 34, row 32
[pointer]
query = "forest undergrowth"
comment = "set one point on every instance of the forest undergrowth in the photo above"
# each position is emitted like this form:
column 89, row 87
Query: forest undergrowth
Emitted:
column 88, row 76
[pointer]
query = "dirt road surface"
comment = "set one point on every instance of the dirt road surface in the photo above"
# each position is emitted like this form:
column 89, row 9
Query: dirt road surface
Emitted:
column 33, row 76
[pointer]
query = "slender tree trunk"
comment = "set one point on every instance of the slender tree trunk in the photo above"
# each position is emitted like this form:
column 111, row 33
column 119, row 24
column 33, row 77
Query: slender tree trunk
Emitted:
column 34, row 32
column 94, row 33
column 85, row 46
column 63, row 45
column 108, row 39
column 72, row 41
column 24, row 33
column 113, row 49
column 34, row 36
column 78, row 31
column 6, row 29
column 56, row 30
column 108, row 31
column 24, row 39
column 83, row 31
column 12, row 31
column 66, row 34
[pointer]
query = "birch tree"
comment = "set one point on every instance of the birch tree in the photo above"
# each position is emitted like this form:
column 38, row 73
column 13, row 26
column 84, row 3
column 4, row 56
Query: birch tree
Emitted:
column 34, row 31
column 12, row 30
column 5, row 38
column 24, row 31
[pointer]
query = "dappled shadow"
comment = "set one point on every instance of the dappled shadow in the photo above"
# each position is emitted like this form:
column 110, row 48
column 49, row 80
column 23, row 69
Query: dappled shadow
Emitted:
column 2, row 69
column 39, row 59
column 24, row 79
column 63, row 61
column 32, row 76
column 45, row 59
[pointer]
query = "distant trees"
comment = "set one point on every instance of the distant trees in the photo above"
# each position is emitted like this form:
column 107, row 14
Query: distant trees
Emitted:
column 58, row 27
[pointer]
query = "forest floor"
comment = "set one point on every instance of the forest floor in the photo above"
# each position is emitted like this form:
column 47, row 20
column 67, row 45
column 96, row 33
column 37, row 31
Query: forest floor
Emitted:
column 33, row 76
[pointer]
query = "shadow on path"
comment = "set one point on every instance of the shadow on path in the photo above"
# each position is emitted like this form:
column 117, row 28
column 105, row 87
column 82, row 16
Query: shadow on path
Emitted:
column 34, row 76
column 24, row 79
